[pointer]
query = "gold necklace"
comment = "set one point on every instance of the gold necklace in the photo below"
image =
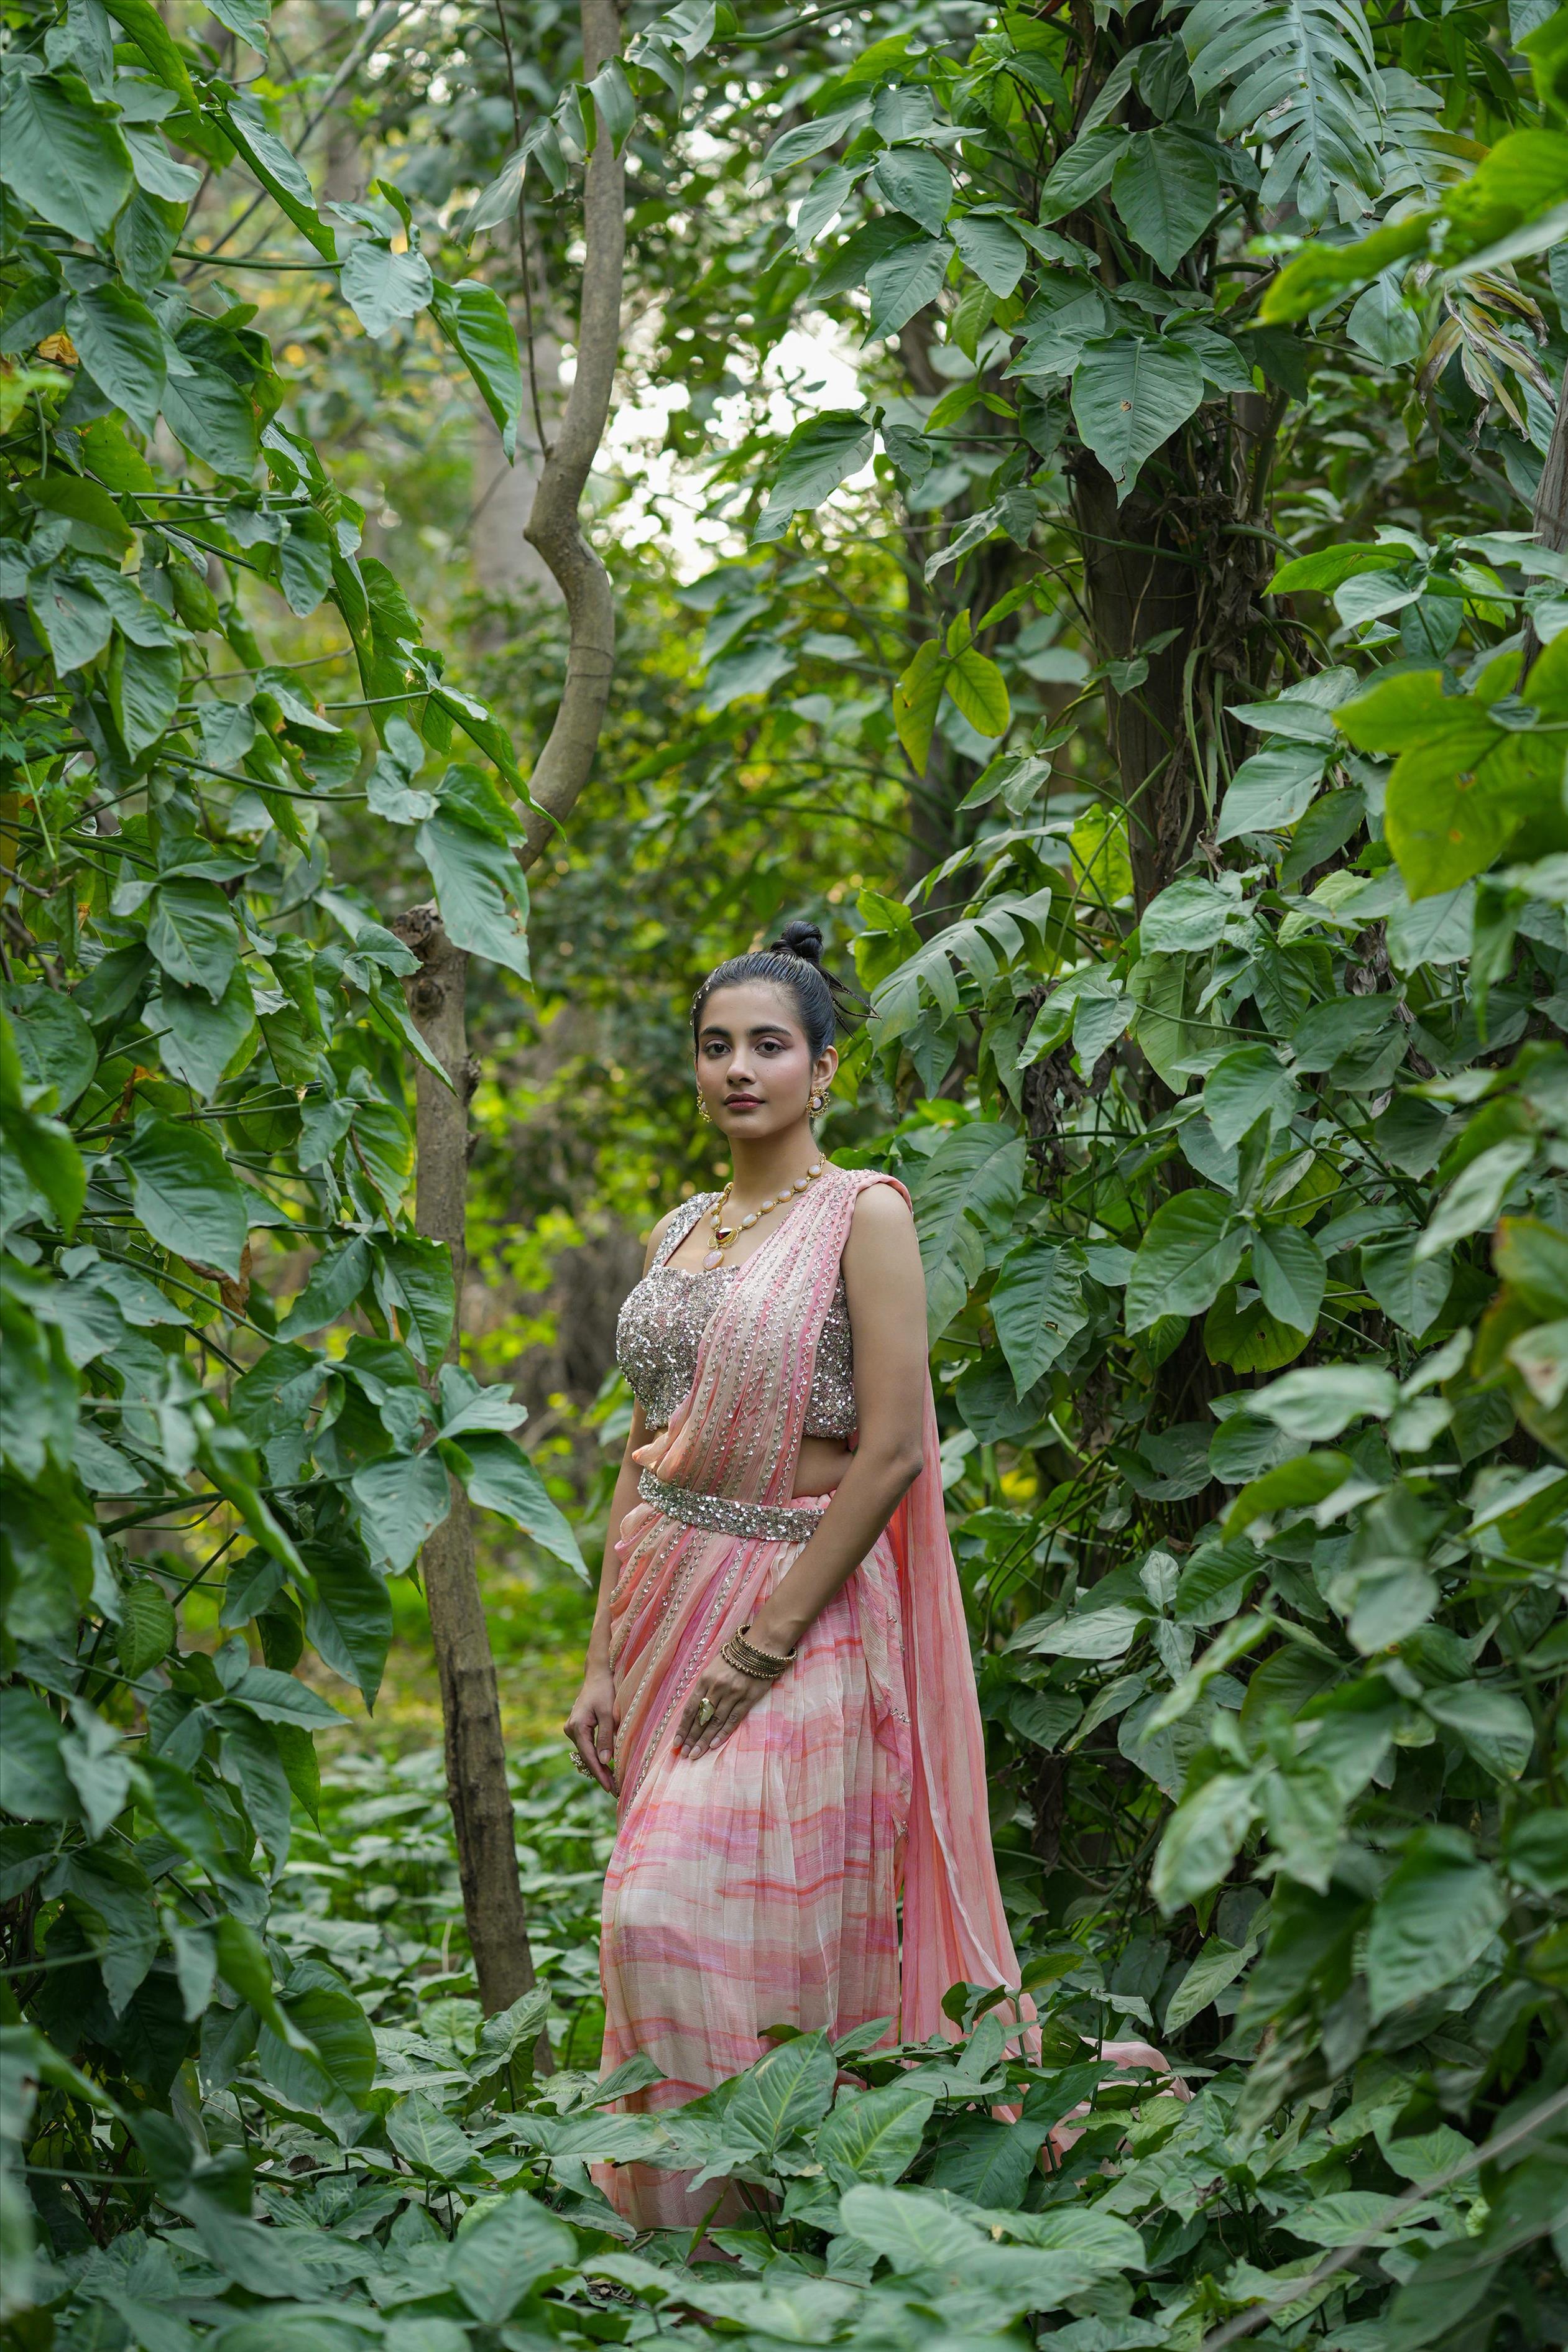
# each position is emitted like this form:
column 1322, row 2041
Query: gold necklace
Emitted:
column 724, row 1235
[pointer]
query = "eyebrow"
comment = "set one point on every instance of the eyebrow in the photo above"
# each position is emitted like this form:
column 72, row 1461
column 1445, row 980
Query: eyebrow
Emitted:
column 760, row 1029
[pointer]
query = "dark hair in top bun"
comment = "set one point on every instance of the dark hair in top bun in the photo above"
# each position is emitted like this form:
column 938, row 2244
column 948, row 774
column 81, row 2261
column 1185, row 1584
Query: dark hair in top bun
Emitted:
column 793, row 962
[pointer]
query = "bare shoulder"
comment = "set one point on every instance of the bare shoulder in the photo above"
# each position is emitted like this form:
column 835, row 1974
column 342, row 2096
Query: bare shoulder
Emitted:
column 882, row 1213
column 881, row 1241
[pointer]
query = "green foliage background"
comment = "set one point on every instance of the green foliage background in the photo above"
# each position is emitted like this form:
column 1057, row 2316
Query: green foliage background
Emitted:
column 1155, row 676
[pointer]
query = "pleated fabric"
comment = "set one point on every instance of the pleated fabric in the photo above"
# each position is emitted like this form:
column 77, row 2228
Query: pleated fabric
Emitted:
column 759, row 1884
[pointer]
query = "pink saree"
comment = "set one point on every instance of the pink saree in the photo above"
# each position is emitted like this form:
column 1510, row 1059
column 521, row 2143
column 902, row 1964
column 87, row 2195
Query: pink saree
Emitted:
column 760, row 1884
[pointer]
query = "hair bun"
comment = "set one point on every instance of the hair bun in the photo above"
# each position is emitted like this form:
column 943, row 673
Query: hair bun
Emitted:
column 803, row 940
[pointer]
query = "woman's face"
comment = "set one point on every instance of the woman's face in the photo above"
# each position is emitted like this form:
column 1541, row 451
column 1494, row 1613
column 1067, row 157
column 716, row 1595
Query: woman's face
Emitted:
column 755, row 1069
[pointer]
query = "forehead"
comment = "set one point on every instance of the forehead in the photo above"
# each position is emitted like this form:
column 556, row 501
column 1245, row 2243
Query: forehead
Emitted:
column 748, row 1005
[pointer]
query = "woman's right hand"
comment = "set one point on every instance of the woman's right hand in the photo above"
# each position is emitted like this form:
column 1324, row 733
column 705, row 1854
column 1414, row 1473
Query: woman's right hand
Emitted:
column 591, row 1726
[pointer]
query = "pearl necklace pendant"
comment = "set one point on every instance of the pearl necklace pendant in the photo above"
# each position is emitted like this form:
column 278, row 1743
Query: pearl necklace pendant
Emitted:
column 724, row 1235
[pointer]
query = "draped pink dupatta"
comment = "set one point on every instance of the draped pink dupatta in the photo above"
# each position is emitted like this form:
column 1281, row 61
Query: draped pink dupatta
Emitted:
column 758, row 1885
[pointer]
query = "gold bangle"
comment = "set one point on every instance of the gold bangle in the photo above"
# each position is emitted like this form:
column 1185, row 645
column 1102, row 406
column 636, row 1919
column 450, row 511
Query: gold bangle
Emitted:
column 762, row 1666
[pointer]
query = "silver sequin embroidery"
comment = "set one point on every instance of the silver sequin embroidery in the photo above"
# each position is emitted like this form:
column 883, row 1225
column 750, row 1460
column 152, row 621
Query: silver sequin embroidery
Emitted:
column 662, row 1323
column 724, row 1514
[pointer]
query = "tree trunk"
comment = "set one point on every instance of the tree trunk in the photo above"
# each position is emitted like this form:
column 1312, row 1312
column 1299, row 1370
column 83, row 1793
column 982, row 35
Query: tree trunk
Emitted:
column 1139, row 588
column 476, row 1759
column 1181, row 558
column 470, row 1708
column 554, row 527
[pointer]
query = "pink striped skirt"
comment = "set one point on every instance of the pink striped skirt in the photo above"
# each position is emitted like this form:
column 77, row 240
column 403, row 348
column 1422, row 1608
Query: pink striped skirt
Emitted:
column 758, row 1885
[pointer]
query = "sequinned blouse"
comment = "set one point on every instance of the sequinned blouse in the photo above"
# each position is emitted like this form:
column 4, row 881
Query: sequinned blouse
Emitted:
column 662, row 1323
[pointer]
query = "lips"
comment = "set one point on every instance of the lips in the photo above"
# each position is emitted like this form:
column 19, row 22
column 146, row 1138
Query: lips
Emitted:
column 743, row 1102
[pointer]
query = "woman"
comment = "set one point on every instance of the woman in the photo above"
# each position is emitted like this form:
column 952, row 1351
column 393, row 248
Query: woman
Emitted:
column 779, row 1689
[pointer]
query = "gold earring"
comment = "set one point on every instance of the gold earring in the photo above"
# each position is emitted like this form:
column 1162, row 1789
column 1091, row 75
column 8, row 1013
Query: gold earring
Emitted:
column 818, row 1103
column 702, row 1111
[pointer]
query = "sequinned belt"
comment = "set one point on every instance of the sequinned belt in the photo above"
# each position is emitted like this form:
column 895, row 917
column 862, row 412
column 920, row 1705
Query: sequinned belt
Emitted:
column 726, row 1515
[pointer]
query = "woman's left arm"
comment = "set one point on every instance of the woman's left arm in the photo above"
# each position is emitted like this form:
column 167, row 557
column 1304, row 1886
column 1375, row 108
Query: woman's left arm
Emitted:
column 885, row 1285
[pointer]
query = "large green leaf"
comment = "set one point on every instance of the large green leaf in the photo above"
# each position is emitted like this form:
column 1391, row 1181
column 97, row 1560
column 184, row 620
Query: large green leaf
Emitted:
column 305, row 561
column 1462, row 785
column 915, row 2231
column 971, row 1180
column 185, row 1195
column 122, row 347
column 201, row 1039
column 1165, row 185
column 210, row 415
column 1307, row 68
column 401, row 1502
column 1248, row 1085
column 478, row 324
column 1494, row 1725
column 991, row 249
column 1325, row 1400
column 381, row 287
column 1038, row 1308
column 1081, row 172
column 62, row 154
column 414, row 1281
column 190, row 931
column 1096, row 1634
column 142, row 21
column 143, row 694
column 34, row 1786
column 1435, row 1915
column 501, row 2257
column 479, row 889
column 903, row 282
column 1203, row 1840
column 279, row 171
column 334, row 1282
column 1217, row 1965
column 1270, row 789
column 916, row 182
column 1128, row 396
column 877, row 2135
column 1193, row 1244
column 1453, row 806
column 784, row 2092
column 917, row 697
column 978, row 691
column 819, row 454
column 54, row 1041
column 1290, row 1272
column 73, row 621
column 349, row 1620
column 430, row 2140
column 500, row 1476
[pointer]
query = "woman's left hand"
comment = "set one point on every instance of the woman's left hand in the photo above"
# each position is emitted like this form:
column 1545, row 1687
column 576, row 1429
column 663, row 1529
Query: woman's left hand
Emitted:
column 733, row 1695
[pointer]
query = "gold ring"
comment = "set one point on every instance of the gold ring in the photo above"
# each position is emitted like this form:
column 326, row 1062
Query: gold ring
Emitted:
column 706, row 1713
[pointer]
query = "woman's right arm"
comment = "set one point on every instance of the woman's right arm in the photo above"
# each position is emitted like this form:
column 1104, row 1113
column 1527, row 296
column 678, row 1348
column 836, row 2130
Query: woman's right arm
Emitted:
column 591, row 1723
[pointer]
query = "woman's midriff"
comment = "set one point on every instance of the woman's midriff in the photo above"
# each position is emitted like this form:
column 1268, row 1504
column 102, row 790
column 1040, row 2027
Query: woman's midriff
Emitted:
column 820, row 1464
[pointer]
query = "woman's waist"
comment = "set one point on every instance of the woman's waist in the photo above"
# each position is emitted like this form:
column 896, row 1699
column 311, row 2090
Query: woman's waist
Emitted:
column 819, row 1467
